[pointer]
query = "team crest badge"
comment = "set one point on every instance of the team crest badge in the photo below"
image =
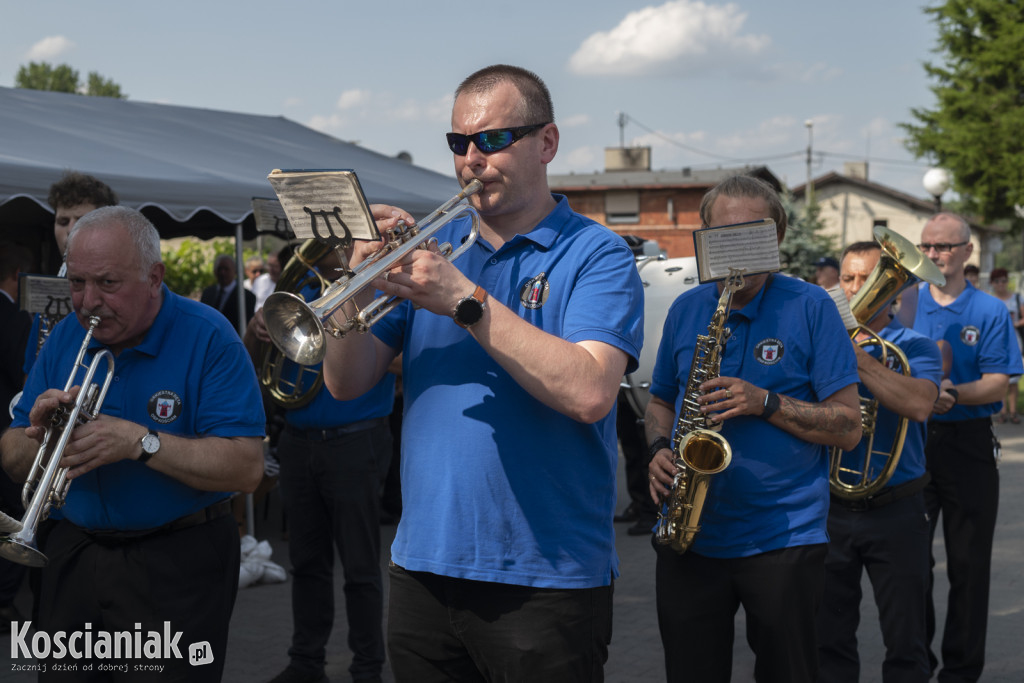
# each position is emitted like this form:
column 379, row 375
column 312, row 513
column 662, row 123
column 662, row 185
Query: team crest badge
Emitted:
column 164, row 407
column 969, row 335
column 534, row 292
column 769, row 351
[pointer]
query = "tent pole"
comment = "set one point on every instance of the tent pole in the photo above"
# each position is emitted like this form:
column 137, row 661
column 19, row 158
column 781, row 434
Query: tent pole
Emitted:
column 250, row 522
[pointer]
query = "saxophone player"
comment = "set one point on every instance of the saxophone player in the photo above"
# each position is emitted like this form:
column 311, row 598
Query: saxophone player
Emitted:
column 888, row 531
column 786, row 389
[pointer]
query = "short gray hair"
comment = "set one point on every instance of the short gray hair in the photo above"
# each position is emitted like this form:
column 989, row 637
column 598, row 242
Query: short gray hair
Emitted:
column 965, row 227
column 143, row 235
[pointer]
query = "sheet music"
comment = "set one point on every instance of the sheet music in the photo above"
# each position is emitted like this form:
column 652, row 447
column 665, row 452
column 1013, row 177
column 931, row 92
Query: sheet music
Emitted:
column 44, row 294
column 270, row 216
column 325, row 205
column 751, row 247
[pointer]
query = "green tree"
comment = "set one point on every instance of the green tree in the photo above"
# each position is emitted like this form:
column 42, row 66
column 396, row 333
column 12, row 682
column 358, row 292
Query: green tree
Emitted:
column 62, row 78
column 805, row 241
column 974, row 129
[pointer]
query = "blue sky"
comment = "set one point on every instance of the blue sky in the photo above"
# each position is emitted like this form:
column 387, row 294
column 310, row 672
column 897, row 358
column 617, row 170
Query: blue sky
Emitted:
column 705, row 84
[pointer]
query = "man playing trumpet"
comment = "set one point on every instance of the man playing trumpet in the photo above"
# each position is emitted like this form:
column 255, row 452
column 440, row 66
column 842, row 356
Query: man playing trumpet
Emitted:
column 887, row 533
column 147, row 542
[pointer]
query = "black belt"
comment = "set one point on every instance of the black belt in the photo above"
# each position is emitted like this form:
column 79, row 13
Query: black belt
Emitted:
column 887, row 495
column 222, row 508
column 971, row 423
column 331, row 433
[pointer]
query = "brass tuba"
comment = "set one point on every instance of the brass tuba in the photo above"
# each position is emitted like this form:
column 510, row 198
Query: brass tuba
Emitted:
column 900, row 265
column 298, row 328
column 298, row 389
column 699, row 449
column 47, row 485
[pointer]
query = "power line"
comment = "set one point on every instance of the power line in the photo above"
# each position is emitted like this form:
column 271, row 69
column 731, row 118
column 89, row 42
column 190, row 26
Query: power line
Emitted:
column 623, row 117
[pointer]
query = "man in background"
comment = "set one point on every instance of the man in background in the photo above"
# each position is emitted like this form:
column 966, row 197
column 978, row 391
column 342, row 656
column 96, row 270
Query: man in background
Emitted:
column 826, row 272
column 962, row 452
column 224, row 294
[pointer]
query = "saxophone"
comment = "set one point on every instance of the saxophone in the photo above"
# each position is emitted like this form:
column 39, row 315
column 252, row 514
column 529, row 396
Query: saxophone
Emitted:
column 699, row 449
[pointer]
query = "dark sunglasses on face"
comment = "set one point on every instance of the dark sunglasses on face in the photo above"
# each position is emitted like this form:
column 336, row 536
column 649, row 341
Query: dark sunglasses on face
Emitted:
column 488, row 141
column 942, row 247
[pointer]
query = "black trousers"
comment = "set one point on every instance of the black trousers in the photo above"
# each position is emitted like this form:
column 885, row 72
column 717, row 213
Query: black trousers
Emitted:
column 964, row 494
column 698, row 597
column 442, row 629
column 331, row 494
column 187, row 578
column 892, row 544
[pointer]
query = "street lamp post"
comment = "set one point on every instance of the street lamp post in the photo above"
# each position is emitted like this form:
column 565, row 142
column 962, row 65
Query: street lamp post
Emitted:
column 936, row 181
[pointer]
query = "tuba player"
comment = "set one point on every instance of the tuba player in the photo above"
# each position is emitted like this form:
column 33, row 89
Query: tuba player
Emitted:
column 887, row 533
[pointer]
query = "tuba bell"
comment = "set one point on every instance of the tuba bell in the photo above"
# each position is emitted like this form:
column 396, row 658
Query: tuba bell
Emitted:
column 899, row 266
column 293, row 387
column 47, row 485
column 298, row 328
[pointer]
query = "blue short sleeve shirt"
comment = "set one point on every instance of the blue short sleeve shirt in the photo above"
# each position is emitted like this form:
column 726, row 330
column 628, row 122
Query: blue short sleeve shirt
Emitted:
column 189, row 377
column 496, row 485
column 977, row 329
column 925, row 363
column 789, row 339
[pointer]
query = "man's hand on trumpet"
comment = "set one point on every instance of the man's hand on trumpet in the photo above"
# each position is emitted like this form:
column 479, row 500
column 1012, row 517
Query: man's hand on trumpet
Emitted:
column 426, row 276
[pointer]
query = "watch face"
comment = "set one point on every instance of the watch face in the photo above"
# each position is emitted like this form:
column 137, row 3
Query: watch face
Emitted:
column 151, row 443
column 469, row 311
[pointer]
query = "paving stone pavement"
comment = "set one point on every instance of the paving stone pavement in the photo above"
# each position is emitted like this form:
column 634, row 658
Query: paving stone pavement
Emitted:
column 261, row 624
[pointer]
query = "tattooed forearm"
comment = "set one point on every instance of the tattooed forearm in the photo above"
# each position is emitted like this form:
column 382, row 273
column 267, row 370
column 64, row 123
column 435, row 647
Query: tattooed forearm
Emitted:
column 818, row 419
column 657, row 420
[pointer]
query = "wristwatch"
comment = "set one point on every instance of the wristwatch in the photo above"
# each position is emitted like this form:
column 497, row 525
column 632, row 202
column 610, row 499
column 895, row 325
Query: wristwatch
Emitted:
column 150, row 445
column 470, row 309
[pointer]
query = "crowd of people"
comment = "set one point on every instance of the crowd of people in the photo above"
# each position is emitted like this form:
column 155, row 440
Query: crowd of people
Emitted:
column 510, row 360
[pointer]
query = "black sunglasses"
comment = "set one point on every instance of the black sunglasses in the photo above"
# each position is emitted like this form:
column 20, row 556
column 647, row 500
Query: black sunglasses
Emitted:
column 488, row 141
column 941, row 247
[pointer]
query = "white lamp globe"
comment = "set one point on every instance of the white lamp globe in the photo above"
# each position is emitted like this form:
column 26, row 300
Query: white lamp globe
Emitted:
column 936, row 181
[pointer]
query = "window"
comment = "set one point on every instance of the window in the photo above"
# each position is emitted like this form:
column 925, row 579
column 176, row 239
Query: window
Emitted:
column 622, row 207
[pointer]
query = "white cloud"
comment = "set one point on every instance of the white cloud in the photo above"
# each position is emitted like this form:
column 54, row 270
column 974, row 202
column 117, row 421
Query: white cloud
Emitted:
column 49, row 48
column 353, row 98
column 574, row 121
column 681, row 36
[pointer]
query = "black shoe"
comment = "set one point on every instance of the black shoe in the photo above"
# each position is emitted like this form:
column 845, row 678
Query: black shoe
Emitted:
column 643, row 526
column 630, row 514
column 293, row 675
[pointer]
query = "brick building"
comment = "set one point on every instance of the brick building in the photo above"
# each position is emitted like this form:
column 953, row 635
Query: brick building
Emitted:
column 631, row 199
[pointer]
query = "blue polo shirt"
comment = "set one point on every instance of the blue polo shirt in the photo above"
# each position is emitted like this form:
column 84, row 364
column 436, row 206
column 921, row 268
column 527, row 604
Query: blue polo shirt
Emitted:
column 977, row 328
column 789, row 339
column 189, row 377
column 497, row 486
column 325, row 411
column 925, row 362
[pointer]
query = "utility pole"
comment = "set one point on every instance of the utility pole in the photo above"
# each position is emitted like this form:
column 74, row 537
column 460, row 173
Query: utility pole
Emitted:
column 810, row 143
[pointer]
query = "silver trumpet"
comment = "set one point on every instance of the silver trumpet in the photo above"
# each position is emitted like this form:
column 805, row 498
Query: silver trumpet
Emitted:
column 298, row 328
column 47, row 484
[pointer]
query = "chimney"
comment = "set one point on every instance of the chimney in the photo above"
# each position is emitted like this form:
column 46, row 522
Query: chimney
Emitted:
column 855, row 169
column 627, row 159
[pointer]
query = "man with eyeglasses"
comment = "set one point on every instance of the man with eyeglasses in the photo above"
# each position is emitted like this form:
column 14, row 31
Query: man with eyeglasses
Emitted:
column 512, row 355
column 962, row 451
